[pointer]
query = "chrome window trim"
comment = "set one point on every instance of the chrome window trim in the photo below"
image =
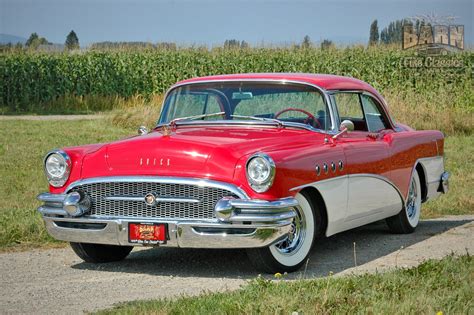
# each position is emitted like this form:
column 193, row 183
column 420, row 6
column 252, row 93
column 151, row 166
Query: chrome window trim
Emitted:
column 162, row 180
column 324, row 93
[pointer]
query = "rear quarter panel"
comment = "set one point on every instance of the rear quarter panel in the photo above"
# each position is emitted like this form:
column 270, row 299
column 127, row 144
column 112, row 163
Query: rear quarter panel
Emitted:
column 408, row 147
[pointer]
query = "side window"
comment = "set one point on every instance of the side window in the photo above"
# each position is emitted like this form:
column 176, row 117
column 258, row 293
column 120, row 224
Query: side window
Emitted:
column 373, row 116
column 349, row 107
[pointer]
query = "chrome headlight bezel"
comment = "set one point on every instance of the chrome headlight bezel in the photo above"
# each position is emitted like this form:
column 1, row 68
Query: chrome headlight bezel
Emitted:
column 55, row 180
column 261, row 186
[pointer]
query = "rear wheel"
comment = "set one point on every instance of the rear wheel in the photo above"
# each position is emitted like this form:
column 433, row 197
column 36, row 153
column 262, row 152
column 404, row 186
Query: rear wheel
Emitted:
column 99, row 253
column 292, row 252
column 407, row 220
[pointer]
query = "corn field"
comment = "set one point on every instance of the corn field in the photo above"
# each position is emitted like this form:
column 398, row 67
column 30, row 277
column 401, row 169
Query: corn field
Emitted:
column 30, row 79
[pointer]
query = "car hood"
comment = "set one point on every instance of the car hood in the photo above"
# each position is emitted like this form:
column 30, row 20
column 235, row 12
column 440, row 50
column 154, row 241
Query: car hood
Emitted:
column 210, row 152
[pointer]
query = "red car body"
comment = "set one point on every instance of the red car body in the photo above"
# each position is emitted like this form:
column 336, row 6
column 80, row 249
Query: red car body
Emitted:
column 361, row 176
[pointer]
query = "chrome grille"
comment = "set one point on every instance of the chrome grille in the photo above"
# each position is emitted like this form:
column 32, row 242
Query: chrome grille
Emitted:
column 204, row 209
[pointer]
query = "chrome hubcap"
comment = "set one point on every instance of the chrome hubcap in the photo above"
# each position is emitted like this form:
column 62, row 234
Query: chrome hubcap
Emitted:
column 295, row 237
column 411, row 202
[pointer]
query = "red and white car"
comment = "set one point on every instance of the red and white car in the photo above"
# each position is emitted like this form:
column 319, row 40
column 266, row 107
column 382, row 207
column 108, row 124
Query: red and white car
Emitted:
column 267, row 162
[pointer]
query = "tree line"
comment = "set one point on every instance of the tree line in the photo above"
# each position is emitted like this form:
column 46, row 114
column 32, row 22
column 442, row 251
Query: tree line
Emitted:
column 393, row 33
column 35, row 41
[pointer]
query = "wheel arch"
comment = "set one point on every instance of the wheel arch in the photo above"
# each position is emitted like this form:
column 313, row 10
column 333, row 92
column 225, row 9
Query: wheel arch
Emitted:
column 317, row 199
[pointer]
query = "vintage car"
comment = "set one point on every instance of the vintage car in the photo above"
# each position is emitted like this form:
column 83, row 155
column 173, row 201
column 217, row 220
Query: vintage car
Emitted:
column 266, row 162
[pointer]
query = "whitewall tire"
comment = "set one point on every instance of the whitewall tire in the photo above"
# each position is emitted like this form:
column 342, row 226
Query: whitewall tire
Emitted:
column 407, row 220
column 292, row 252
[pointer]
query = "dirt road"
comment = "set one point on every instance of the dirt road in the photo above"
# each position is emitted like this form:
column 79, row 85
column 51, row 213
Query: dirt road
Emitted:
column 56, row 281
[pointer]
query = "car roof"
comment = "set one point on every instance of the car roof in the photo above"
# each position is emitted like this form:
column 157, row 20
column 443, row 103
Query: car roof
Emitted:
column 325, row 81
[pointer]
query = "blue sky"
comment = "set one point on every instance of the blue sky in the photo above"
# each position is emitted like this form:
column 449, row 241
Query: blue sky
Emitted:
column 210, row 22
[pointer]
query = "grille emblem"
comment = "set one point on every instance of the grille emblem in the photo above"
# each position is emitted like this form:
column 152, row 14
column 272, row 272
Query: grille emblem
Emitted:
column 150, row 199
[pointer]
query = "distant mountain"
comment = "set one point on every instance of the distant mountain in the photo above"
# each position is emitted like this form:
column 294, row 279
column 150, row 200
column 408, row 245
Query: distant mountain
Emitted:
column 7, row 38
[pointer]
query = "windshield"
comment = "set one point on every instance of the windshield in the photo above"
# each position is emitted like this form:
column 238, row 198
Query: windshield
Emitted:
column 259, row 101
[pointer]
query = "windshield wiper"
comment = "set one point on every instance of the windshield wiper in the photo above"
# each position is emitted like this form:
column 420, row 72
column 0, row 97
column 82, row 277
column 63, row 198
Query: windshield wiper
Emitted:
column 173, row 122
column 278, row 122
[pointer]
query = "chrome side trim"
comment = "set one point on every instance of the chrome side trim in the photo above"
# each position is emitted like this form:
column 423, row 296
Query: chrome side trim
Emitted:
column 323, row 92
column 163, row 180
column 158, row 199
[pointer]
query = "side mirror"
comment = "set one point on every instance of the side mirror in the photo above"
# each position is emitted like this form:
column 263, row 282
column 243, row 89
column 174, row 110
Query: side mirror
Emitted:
column 345, row 127
column 142, row 130
column 347, row 124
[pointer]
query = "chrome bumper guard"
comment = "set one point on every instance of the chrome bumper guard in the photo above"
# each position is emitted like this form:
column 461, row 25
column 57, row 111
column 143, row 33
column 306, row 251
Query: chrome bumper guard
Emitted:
column 444, row 183
column 240, row 223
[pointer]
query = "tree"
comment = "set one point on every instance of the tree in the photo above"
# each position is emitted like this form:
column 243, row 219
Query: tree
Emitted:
column 31, row 39
column 306, row 42
column 235, row 44
column 374, row 33
column 72, row 42
column 326, row 44
column 34, row 41
column 393, row 33
column 231, row 44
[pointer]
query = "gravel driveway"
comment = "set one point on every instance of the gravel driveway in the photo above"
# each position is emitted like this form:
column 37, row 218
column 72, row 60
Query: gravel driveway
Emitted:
column 56, row 281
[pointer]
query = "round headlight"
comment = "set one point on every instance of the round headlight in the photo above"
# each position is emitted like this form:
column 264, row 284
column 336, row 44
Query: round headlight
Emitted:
column 260, row 172
column 57, row 166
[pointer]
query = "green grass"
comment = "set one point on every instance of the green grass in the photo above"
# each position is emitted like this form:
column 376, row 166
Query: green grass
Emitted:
column 459, row 161
column 23, row 145
column 434, row 286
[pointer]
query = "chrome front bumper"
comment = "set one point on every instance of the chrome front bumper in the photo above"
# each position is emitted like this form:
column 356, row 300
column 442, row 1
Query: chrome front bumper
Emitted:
column 240, row 223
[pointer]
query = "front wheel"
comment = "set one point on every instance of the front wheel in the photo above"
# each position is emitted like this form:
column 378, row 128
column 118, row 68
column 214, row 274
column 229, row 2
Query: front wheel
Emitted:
column 99, row 253
column 292, row 252
column 407, row 220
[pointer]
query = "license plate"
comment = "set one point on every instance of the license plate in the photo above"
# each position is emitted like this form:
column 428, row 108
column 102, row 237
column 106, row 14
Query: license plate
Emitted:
column 147, row 233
